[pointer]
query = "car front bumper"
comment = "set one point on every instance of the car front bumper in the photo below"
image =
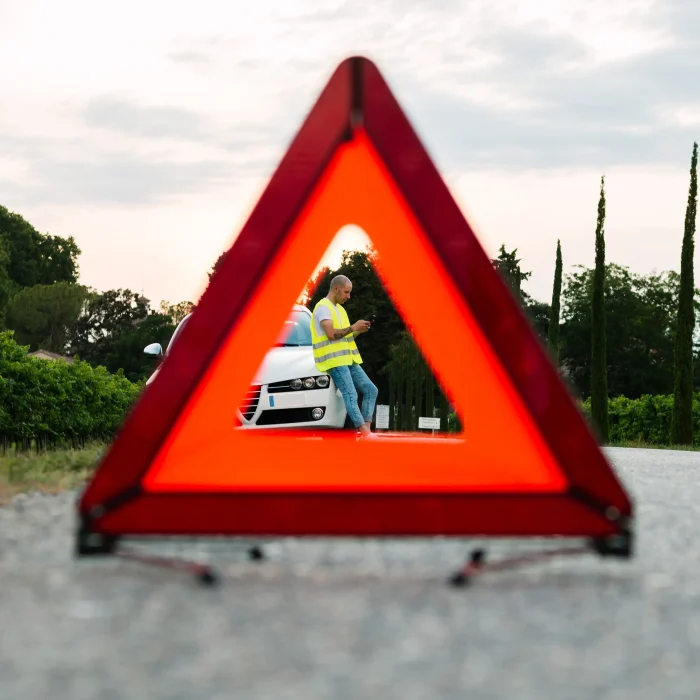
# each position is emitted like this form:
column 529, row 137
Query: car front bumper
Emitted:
column 291, row 409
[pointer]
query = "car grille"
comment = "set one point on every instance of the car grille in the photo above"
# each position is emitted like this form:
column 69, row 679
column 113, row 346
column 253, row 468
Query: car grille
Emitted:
column 250, row 402
column 285, row 415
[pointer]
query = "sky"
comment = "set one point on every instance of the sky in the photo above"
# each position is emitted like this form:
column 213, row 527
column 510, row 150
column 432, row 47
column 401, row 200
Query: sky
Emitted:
column 148, row 130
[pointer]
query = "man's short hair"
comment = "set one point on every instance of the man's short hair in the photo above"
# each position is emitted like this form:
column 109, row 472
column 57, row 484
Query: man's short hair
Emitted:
column 339, row 280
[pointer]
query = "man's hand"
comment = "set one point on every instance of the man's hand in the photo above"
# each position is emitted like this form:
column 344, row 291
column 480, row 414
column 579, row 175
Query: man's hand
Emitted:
column 337, row 333
column 361, row 326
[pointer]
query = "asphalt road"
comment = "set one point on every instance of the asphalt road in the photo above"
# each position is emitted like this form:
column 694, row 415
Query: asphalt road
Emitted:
column 358, row 619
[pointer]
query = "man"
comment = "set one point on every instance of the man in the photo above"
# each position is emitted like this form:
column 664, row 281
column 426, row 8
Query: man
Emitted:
column 335, row 352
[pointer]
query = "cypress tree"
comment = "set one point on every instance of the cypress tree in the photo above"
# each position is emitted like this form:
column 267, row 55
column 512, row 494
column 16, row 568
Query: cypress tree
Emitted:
column 419, row 386
column 682, row 415
column 553, row 331
column 400, row 393
column 430, row 394
column 509, row 266
column 410, row 386
column 392, row 398
column 599, row 373
column 442, row 407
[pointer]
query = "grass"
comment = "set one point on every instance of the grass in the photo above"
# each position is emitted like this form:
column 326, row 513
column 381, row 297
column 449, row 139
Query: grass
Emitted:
column 47, row 472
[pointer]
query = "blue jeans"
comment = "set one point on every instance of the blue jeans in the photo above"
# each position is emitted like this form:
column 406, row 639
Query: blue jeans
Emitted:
column 349, row 380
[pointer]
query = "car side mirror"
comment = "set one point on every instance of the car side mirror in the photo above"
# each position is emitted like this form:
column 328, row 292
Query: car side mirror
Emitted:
column 154, row 349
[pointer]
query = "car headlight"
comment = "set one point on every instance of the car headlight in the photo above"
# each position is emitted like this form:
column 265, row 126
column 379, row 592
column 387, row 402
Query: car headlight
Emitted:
column 323, row 381
column 317, row 413
column 309, row 383
column 295, row 384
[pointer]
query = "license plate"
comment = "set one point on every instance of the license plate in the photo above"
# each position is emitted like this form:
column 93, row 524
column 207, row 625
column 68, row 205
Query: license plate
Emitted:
column 290, row 400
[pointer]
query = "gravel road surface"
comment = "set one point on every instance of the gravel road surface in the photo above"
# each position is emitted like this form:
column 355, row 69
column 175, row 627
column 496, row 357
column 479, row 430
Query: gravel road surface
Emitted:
column 358, row 619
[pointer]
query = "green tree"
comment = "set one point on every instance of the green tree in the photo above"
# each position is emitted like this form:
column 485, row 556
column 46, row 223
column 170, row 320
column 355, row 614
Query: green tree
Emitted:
column 640, row 316
column 42, row 315
column 314, row 290
column 682, row 417
column 215, row 267
column 105, row 318
column 176, row 312
column 217, row 264
column 553, row 334
column 508, row 264
column 36, row 258
column 5, row 281
column 599, row 373
column 58, row 259
column 125, row 352
column 538, row 312
column 412, row 385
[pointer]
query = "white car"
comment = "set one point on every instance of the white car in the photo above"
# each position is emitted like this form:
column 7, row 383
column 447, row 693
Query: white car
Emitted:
column 288, row 391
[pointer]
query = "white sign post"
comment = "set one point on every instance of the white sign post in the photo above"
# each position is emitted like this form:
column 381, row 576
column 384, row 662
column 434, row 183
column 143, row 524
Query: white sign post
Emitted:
column 381, row 421
column 429, row 423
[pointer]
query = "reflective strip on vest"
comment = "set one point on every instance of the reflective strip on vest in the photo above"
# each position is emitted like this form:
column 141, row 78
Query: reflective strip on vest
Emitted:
column 334, row 353
column 331, row 355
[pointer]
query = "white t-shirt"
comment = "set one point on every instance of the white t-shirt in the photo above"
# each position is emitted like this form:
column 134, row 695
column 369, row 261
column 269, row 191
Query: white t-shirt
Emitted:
column 322, row 313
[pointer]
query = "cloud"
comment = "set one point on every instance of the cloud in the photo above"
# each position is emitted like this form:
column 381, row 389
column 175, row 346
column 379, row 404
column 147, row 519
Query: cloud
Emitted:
column 129, row 117
column 227, row 134
column 145, row 159
column 70, row 171
column 124, row 179
column 542, row 104
column 491, row 85
column 134, row 154
column 330, row 14
column 118, row 178
column 10, row 191
column 191, row 57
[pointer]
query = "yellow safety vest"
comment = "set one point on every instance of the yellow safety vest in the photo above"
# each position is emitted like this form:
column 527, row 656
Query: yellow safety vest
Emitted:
column 334, row 353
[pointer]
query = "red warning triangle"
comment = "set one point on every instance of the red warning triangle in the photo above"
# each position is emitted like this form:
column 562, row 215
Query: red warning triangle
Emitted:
column 526, row 463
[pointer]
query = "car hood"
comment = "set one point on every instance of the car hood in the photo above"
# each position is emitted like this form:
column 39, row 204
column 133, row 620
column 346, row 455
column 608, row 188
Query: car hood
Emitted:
column 279, row 364
column 287, row 363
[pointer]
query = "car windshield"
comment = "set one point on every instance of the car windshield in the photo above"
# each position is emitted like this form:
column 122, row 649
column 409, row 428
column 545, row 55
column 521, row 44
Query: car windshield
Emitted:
column 296, row 331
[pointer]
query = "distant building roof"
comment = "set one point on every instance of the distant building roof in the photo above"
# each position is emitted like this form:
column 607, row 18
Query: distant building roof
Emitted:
column 48, row 355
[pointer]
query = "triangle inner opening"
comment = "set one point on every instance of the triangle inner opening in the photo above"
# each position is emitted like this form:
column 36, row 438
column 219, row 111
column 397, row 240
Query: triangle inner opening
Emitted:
column 500, row 448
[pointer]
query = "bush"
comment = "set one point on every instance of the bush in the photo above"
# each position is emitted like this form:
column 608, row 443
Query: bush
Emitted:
column 58, row 402
column 644, row 420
